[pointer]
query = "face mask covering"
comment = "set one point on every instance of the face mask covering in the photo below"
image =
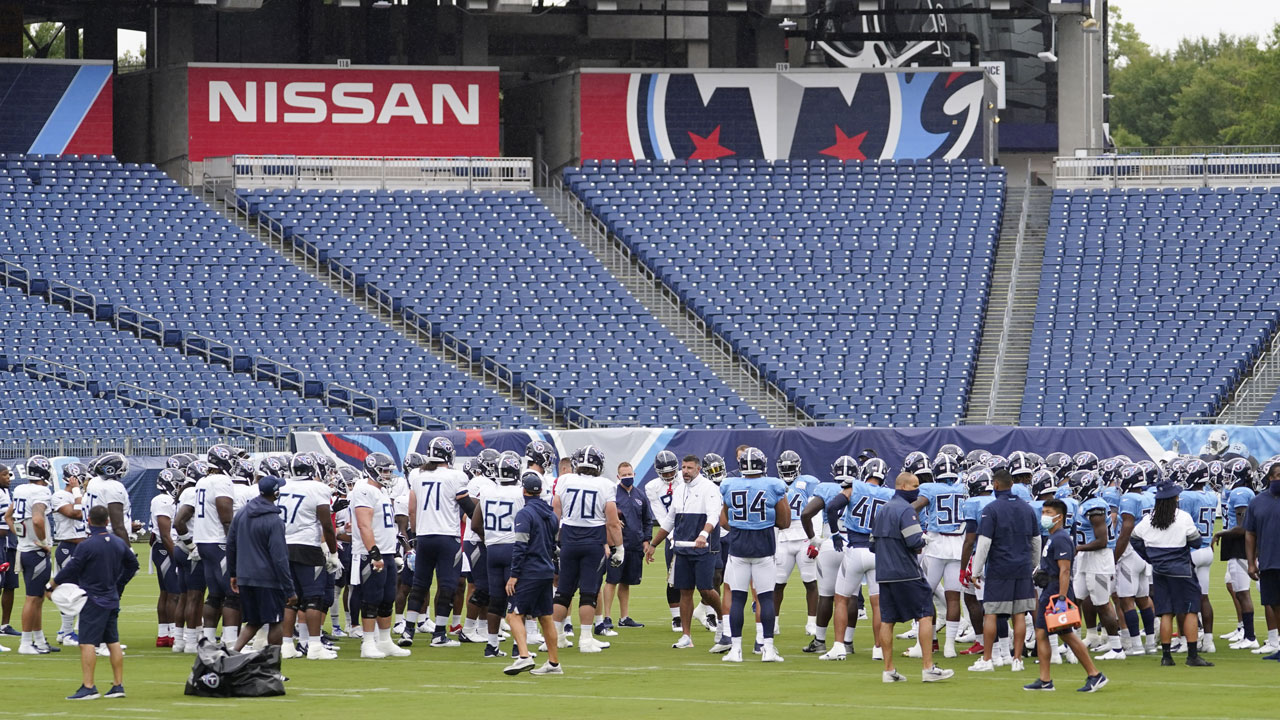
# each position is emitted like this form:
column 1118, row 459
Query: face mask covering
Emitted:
column 1275, row 487
column 908, row 495
column 1047, row 522
column 627, row 482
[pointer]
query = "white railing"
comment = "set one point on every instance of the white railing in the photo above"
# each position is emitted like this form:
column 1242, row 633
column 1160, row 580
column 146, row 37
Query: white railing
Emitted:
column 367, row 173
column 1205, row 170
column 1006, row 322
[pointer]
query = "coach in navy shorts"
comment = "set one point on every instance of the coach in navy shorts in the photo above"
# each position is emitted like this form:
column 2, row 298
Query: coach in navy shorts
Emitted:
column 101, row 566
column 258, row 565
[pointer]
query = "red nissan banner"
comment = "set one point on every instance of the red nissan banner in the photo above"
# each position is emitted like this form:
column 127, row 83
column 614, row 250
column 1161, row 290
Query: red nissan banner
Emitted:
column 357, row 111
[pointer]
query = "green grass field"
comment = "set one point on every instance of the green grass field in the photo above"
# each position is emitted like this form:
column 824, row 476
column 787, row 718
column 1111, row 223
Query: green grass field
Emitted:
column 641, row 677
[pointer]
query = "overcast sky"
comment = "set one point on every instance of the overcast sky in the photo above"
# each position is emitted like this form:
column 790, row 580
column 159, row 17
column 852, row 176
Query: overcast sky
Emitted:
column 1162, row 23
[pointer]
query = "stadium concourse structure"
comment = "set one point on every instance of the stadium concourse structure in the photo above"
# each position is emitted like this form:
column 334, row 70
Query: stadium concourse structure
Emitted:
column 352, row 296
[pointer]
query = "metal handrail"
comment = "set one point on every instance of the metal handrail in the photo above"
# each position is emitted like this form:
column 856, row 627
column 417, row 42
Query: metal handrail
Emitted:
column 414, row 420
column 1007, row 322
column 191, row 345
column 1170, row 150
column 279, row 376
column 299, row 171
column 30, row 366
column 173, row 409
column 268, row 431
column 350, row 403
column 14, row 274
column 73, row 302
column 136, row 325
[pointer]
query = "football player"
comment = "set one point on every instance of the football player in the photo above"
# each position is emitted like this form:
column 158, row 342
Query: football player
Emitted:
column 1238, row 480
column 313, row 553
column 105, row 488
column 660, row 491
column 980, row 490
column 438, row 499
column 69, row 528
column 184, row 525
column 215, row 499
column 822, row 548
column 587, row 508
column 374, row 544
column 164, row 555
column 944, row 533
column 753, row 505
column 1201, row 504
column 858, row 504
column 1133, row 574
column 477, row 552
column 793, row 545
column 494, row 522
column 1095, row 569
column 28, row 515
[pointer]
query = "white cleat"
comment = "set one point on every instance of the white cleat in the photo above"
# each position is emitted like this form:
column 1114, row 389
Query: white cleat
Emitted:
column 563, row 641
column 935, row 673
column 1016, row 665
column 371, row 651
column 1266, row 649
column 811, row 628
column 981, row 665
column 1244, row 644
column 771, row 655
column 590, row 645
column 719, row 647
column 837, row 652
column 1070, row 657
column 1112, row 655
column 317, row 651
column 684, row 642
column 1206, row 644
column 913, row 651
column 289, row 651
column 911, row 634
column 733, row 656
column 1055, row 658
column 949, row 650
column 1001, row 660
column 877, row 653
column 1234, row 635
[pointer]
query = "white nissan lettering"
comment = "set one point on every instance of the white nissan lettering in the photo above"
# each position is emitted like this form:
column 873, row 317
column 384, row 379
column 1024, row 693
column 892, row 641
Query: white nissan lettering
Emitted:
column 352, row 103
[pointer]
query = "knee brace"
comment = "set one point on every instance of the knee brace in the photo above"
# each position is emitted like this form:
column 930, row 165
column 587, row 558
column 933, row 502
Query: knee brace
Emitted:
column 480, row 598
column 497, row 605
column 297, row 605
column 214, row 602
column 386, row 609
column 232, row 602
column 369, row 610
column 563, row 598
column 417, row 596
column 587, row 599
column 673, row 595
column 311, row 603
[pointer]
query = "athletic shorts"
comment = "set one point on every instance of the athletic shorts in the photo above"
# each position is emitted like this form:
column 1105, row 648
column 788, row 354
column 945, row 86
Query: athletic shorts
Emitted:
column 213, row 557
column 63, row 553
column 905, row 600
column 37, row 568
column 9, row 578
column 1269, row 587
column 759, row 573
column 856, row 567
column 829, row 560
column 1097, row 587
column 1006, row 596
column 1237, row 575
column 308, row 580
column 261, row 606
column 1133, row 577
column 941, row 571
column 377, row 588
column 532, row 599
column 438, row 555
column 631, row 569
column 693, row 572
column 942, row 547
column 1175, row 595
column 168, row 570
column 474, row 553
column 195, row 574
column 791, row 554
column 98, row 625
column 498, row 568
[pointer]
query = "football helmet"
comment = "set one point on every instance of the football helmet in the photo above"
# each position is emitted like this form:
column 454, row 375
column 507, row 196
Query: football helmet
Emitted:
column 876, row 470
column 845, row 470
column 540, row 453
column 1058, row 463
column 170, row 481
column 75, row 470
column 304, row 466
column 591, row 462
column 979, row 481
column 1084, row 460
column 953, row 450
column 197, row 470
column 510, row 468
column 440, row 450
column 39, row 468
column 379, row 466
column 1239, row 473
column 667, row 465
column 1020, row 464
column 917, row 463
column 1043, row 483
column 272, row 466
column 789, row 466
column 753, row 462
column 222, row 458
column 1195, row 473
column 974, row 459
column 1084, row 483
column 487, row 462
column 111, row 466
column 714, row 467
column 180, row 461
column 946, row 468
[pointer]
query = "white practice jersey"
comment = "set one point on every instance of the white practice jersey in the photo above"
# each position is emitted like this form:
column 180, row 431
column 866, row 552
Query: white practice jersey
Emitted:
column 548, row 486
column 400, row 489
column 365, row 495
column 208, row 527
column 583, row 499
column 65, row 528
column 300, row 499
column 162, row 505
column 500, row 506
column 477, row 488
column 29, row 501
column 187, row 498
column 436, row 493
column 241, row 495
column 659, row 493
column 104, row 492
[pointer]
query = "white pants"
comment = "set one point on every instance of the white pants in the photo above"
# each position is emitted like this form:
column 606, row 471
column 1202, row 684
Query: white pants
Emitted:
column 1202, row 559
column 941, row 570
column 1133, row 577
column 858, row 565
column 1237, row 574
column 741, row 573
column 789, row 555
column 1096, row 587
column 829, row 560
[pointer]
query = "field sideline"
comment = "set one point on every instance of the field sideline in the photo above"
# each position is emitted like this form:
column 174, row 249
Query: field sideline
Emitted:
column 642, row 677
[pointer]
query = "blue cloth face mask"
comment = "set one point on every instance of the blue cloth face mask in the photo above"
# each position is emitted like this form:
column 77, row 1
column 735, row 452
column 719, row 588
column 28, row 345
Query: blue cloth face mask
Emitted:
column 908, row 495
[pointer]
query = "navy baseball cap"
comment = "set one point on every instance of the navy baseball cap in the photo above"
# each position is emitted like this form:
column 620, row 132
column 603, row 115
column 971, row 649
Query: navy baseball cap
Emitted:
column 532, row 483
column 269, row 485
column 1168, row 490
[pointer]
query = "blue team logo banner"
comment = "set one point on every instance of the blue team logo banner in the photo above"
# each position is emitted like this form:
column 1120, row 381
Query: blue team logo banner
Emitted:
column 836, row 114
column 55, row 107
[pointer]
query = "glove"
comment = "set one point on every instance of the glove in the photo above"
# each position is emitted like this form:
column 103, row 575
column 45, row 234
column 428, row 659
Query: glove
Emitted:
column 812, row 552
column 966, row 577
column 332, row 563
column 399, row 563
column 617, row 554
column 194, row 556
column 837, row 542
column 340, row 504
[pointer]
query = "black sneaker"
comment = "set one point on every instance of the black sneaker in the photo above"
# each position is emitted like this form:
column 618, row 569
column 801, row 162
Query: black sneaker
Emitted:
column 1167, row 660
column 1093, row 684
column 815, row 646
column 1198, row 661
column 85, row 693
column 628, row 622
column 116, row 691
column 493, row 651
column 1041, row 686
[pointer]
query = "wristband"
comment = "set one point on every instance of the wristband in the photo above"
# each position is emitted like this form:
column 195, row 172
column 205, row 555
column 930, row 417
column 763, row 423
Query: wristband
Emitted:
column 375, row 554
column 703, row 534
